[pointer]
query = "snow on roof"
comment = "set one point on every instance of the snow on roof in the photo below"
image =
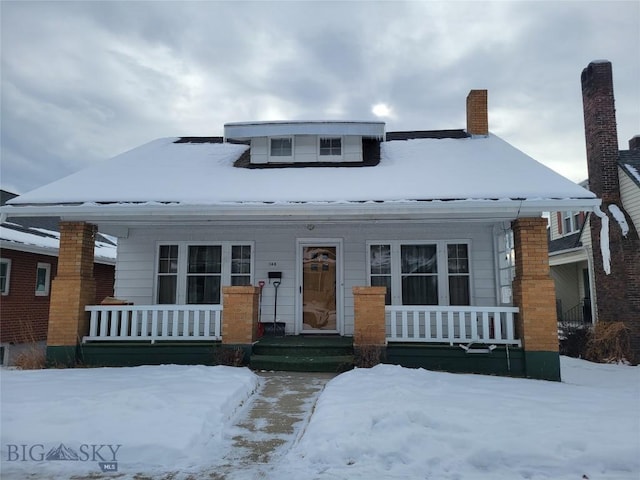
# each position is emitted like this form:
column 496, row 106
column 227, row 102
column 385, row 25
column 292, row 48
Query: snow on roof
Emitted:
column 19, row 237
column 419, row 169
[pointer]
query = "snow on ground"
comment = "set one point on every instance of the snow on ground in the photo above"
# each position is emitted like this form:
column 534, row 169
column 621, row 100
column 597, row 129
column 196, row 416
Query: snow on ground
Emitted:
column 386, row 422
column 390, row 422
column 164, row 417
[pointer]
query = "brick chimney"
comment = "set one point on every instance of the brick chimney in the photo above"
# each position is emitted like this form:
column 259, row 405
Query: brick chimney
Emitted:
column 617, row 293
column 601, row 131
column 477, row 116
column 634, row 143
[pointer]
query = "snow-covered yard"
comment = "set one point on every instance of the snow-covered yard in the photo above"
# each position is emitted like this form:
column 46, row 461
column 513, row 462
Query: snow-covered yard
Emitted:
column 385, row 422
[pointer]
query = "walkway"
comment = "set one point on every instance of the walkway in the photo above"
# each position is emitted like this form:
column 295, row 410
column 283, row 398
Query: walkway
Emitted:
column 273, row 422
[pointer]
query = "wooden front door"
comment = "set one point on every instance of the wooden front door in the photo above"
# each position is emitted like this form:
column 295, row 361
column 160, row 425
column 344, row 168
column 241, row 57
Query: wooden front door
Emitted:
column 319, row 289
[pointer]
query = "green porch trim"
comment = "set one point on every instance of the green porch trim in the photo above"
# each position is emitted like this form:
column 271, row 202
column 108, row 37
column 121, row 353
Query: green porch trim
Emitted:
column 501, row 361
column 62, row 355
column 542, row 365
column 130, row 354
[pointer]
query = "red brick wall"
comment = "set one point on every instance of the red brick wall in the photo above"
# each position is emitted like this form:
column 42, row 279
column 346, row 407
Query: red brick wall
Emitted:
column 23, row 315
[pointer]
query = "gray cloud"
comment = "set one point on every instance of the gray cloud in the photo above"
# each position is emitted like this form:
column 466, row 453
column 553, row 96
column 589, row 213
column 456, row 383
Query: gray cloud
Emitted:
column 83, row 81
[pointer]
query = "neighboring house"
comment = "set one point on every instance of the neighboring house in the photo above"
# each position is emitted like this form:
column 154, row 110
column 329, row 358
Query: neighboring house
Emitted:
column 572, row 266
column 404, row 241
column 28, row 263
column 589, row 287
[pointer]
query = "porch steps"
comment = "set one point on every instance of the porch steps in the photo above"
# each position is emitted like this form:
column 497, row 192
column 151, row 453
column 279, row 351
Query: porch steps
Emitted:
column 303, row 354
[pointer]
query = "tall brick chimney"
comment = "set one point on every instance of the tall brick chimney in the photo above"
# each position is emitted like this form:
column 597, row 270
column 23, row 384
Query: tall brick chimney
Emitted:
column 477, row 116
column 600, row 131
column 618, row 293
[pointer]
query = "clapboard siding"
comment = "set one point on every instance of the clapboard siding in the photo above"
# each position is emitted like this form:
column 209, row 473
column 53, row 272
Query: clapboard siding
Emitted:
column 630, row 195
column 278, row 242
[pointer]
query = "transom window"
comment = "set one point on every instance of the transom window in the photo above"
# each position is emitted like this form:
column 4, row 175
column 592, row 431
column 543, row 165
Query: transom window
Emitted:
column 196, row 273
column 281, row 147
column 430, row 273
column 331, row 147
column 5, row 273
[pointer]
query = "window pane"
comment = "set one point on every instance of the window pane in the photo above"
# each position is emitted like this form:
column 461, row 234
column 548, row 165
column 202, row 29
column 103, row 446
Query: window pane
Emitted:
column 383, row 281
column 203, row 289
column 205, row 259
column 380, row 258
column 419, row 259
column 167, row 289
column 241, row 259
column 420, row 290
column 168, row 259
column 458, row 258
column 41, row 280
column 241, row 280
column 4, row 267
column 459, row 290
column 281, row 147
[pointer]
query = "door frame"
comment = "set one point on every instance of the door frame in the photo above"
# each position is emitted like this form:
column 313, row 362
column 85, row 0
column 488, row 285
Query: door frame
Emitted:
column 320, row 242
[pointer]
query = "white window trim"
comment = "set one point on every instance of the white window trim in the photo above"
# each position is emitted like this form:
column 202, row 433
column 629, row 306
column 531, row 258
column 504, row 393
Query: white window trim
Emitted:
column 47, row 279
column 571, row 216
column 280, row 158
column 182, row 274
column 6, row 261
column 331, row 158
column 443, row 267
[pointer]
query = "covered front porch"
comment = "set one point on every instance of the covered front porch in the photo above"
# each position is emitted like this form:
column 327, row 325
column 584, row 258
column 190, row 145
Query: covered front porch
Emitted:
column 524, row 329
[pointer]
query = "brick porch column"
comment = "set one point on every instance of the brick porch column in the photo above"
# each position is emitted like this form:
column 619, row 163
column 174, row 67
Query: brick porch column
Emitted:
column 240, row 317
column 73, row 288
column 369, row 317
column 534, row 294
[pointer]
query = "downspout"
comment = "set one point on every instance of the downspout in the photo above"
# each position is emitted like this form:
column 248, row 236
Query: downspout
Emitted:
column 604, row 239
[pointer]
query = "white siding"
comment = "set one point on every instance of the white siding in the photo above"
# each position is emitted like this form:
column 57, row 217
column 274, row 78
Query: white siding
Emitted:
column 630, row 193
column 277, row 243
column 305, row 149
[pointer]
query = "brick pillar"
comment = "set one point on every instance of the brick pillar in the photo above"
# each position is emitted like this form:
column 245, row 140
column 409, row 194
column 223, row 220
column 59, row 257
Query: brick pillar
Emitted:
column 240, row 315
column 369, row 316
column 73, row 288
column 534, row 293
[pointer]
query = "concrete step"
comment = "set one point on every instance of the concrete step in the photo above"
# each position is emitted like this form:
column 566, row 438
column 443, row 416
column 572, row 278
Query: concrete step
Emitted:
column 299, row 363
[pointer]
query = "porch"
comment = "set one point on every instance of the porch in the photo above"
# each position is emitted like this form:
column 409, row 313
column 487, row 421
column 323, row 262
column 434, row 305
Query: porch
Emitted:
column 436, row 337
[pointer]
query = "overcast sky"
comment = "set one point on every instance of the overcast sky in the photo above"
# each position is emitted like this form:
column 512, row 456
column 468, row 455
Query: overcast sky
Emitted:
column 84, row 81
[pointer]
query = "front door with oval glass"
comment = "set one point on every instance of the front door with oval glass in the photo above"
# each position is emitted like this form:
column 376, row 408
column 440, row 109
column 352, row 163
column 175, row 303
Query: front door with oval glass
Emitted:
column 319, row 282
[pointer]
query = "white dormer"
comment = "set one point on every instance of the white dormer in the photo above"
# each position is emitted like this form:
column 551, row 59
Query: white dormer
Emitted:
column 304, row 141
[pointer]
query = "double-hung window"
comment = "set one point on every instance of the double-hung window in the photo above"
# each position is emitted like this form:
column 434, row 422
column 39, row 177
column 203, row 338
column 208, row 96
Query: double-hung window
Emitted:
column 421, row 273
column 5, row 274
column 43, row 279
column 195, row 273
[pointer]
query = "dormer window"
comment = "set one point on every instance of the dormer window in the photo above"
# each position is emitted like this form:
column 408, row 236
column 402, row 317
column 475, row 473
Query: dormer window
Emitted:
column 331, row 146
column 281, row 147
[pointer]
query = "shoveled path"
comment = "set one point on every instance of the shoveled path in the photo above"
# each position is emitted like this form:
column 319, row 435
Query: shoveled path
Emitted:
column 272, row 423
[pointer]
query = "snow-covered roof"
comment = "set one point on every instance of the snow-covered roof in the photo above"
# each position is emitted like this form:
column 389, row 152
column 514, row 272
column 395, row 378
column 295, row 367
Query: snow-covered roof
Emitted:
column 411, row 170
column 47, row 242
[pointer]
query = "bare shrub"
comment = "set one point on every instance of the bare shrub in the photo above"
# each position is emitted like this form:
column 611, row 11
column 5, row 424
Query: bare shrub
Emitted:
column 31, row 358
column 367, row 356
column 573, row 340
column 609, row 343
column 230, row 356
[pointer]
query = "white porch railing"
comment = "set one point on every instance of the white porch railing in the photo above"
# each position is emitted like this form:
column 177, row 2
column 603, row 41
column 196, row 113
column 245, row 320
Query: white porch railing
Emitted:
column 154, row 322
column 451, row 324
